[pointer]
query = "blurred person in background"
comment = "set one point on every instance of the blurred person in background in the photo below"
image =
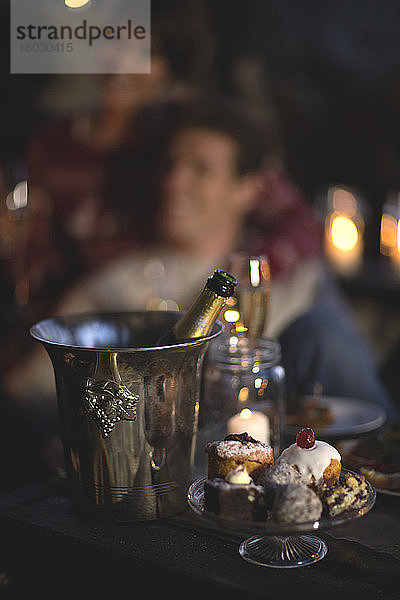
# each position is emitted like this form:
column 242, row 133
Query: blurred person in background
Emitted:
column 220, row 189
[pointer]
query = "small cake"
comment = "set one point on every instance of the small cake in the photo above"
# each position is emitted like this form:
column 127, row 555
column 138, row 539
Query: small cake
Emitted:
column 296, row 504
column 275, row 477
column 352, row 493
column 280, row 474
column 318, row 462
column 238, row 449
column 235, row 497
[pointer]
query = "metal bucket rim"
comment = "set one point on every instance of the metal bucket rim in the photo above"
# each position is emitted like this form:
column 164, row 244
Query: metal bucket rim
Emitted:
column 110, row 349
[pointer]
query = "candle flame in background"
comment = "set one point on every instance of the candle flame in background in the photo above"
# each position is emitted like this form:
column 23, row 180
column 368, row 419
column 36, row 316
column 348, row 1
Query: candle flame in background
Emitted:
column 344, row 233
column 245, row 413
column 255, row 423
column 344, row 227
column 76, row 3
column 390, row 231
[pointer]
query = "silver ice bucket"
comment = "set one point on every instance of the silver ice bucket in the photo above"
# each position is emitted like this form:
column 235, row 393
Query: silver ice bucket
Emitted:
column 128, row 410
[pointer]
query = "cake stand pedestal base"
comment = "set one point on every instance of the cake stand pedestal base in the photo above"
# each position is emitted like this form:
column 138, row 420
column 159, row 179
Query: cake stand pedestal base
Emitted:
column 283, row 552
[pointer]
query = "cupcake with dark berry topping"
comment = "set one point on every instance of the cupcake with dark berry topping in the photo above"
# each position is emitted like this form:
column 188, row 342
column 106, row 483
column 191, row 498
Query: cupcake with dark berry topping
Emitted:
column 318, row 462
column 238, row 449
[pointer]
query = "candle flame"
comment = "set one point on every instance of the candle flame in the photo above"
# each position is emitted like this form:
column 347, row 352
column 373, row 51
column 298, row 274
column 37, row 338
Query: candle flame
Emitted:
column 76, row 3
column 245, row 413
column 344, row 233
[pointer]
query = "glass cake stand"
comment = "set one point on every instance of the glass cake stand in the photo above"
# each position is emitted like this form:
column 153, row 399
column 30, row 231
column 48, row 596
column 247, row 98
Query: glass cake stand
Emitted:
column 275, row 545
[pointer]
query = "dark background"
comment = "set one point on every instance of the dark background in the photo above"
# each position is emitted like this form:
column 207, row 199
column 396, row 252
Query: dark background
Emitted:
column 330, row 70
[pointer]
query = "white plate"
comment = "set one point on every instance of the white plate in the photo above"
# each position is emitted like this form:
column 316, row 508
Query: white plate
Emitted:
column 351, row 416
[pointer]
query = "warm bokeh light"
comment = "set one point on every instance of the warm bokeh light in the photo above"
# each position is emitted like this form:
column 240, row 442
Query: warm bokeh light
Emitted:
column 231, row 316
column 157, row 303
column 343, row 241
column 389, row 238
column 243, row 396
column 76, row 3
column 398, row 236
column 255, row 272
column 344, row 201
column 344, row 233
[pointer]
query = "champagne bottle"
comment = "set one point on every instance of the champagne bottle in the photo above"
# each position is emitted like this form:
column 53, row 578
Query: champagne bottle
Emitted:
column 198, row 320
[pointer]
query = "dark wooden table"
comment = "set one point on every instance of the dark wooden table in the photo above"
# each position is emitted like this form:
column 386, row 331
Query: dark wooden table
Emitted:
column 47, row 550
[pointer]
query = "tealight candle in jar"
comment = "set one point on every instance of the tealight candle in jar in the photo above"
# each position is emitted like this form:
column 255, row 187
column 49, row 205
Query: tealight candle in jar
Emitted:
column 254, row 422
column 237, row 376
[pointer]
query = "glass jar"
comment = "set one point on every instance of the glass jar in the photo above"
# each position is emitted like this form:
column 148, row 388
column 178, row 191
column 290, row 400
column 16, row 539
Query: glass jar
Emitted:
column 237, row 377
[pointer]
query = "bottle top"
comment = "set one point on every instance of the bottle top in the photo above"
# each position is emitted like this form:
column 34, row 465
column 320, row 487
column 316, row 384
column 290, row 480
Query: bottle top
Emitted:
column 222, row 283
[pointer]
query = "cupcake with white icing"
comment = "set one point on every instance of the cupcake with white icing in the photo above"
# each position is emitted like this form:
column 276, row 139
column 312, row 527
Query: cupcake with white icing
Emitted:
column 317, row 462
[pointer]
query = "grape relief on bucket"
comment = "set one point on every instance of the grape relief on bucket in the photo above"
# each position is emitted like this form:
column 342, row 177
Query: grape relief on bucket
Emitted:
column 108, row 402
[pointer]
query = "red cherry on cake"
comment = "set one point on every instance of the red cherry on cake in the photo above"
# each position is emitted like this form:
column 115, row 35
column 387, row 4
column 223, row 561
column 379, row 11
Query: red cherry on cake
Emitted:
column 305, row 438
